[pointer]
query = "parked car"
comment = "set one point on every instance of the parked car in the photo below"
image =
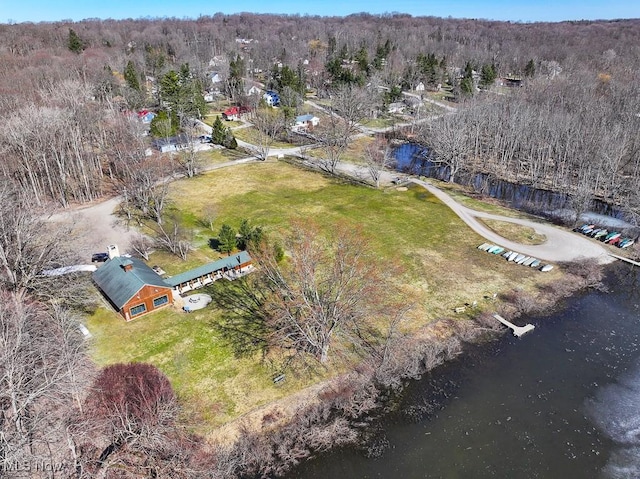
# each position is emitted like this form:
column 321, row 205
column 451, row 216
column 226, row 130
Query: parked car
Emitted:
column 99, row 257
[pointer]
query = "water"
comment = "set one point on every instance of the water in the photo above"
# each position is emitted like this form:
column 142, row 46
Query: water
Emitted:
column 414, row 159
column 563, row 401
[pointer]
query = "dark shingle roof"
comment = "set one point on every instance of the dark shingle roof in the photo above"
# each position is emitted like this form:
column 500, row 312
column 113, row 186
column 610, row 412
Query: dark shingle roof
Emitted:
column 228, row 262
column 120, row 285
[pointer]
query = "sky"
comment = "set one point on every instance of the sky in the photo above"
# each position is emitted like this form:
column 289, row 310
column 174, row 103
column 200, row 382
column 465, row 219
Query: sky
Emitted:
column 18, row 11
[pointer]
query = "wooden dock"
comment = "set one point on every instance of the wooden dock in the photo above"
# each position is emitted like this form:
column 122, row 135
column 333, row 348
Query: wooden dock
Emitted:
column 517, row 330
column 622, row 258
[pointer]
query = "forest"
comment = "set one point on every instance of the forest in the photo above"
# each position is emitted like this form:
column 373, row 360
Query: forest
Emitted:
column 67, row 91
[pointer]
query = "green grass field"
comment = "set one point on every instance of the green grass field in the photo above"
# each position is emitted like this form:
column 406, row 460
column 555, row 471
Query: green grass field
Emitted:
column 443, row 269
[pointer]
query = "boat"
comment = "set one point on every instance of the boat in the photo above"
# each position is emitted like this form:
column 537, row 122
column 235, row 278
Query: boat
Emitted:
column 611, row 236
column 588, row 230
column 527, row 262
column 484, row 246
column 522, row 260
column 601, row 234
column 580, row 228
column 497, row 250
column 615, row 241
column 493, row 248
column 583, row 228
column 627, row 243
column 546, row 267
column 535, row 263
column 519, row 258
column 513, row 256
column 506, row 254
column 595, row 232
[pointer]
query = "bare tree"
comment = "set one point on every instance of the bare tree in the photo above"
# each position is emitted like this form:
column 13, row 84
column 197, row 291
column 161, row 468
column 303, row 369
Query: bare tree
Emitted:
column 43, row 370
column 328, row 294
column 269, row 123
column 377, row 158
column 448, row 141
column 174, row 238
column 129, row 420
column 28, row 244
column 142, row 245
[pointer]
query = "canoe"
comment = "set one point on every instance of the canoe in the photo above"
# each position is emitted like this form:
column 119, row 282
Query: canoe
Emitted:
column 615, row 236
column 615, row 241
column 588, row 230
column 627, row 243
column 521, row 261
column 484, row 246
column 601, row 234
column 611, row 235
column 583, row 228
column 497, row 250
column 536, row 263
column 493, row 248
column 527, row 262
column 595, row 232
column 520, row 258
column 506, row 254
column 513, row 256
column 546, row 267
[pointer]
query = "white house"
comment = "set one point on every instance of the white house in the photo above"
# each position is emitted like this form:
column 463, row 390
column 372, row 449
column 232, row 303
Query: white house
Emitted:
column 305, row 122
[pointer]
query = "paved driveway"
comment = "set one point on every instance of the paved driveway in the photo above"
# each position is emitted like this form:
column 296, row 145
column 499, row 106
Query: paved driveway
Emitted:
column 561, row 245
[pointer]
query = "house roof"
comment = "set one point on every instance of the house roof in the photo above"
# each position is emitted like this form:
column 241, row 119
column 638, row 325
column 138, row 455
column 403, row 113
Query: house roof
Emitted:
column 120, row 285
column 304, row 118
column 228, row 262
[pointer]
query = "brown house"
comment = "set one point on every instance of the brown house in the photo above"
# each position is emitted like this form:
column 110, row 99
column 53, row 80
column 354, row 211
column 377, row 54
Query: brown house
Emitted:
column 132, row 288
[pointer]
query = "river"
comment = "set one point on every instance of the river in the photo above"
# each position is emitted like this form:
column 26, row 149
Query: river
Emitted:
column 562, row 401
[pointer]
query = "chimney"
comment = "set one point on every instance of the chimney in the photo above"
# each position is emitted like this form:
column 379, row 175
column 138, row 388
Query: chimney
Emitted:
column 113, row 252
column 127, row 265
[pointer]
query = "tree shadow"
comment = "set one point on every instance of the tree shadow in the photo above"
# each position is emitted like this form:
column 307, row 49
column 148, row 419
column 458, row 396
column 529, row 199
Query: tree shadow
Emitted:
column 214, row 243
column 241, row 324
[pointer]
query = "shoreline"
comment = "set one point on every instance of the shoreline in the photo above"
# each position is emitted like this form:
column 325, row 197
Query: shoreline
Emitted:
column 345, row 407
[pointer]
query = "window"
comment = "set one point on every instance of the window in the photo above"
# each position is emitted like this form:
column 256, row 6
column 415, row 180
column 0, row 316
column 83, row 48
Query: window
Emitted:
column 157, row 302
column 136, row 310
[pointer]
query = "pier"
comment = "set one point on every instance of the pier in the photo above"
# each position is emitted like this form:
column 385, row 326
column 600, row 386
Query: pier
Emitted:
column 517, row 330
column 622, row 258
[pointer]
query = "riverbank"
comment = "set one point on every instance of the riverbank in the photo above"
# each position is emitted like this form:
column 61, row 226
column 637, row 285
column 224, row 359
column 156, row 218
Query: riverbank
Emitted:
column 562, row 401
column 339, row 412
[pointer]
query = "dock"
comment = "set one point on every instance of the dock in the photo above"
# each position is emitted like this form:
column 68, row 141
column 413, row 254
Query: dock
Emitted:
column 517, row 330
column 622, row 258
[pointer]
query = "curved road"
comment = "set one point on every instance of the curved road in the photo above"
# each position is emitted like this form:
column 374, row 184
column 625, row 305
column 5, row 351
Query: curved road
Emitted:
column 561, row 245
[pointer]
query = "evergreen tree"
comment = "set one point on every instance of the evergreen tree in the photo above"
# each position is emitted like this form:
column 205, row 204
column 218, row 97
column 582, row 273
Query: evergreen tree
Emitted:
column 131, row 76
column 74, row 43
column 530, row 69
column 488, row 75
column 218, row 132
column 226, row 239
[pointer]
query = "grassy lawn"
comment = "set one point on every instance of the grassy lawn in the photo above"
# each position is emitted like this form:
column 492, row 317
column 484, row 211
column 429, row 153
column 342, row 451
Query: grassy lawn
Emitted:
column 251, row 135
column 442, row 269
column 381, row 122
column 220, row 155
column 514, row 232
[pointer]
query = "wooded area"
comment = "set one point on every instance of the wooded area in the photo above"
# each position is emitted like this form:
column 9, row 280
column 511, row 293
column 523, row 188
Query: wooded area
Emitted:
column 567, row 121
